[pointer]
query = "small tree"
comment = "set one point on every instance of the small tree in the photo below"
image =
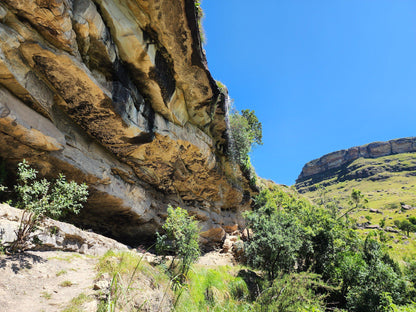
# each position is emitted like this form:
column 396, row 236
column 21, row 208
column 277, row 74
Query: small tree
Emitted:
column 41, row 198
column 357, row 200
column 181, row 240
column 275, row 243
column 246, row 131
column 405, row 226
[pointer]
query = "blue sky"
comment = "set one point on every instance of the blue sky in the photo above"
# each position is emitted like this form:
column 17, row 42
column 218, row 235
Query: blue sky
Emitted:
column 322, row 75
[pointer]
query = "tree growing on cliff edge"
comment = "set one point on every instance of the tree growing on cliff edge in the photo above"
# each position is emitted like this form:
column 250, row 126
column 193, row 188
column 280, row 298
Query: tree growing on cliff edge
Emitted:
column 246, row 131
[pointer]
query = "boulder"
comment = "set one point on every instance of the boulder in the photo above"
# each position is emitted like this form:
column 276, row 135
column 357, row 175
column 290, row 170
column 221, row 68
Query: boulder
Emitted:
column 227, row 245
column 230, row 228
column 373, row 227
column 246, row 234
column 215, row 235
column 391, row 230
column 238, row 251
column 55, row 235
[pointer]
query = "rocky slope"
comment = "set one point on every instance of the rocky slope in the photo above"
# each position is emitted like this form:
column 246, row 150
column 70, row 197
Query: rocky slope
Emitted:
column 334, row 164
column 117, row 94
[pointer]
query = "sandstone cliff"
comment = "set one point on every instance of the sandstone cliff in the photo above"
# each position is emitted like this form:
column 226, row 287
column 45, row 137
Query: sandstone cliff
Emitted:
column 117, row 94
column 322, row 168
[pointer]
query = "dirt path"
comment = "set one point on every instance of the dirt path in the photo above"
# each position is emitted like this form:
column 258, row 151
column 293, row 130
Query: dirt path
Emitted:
column 215, row 258
column 44, row 280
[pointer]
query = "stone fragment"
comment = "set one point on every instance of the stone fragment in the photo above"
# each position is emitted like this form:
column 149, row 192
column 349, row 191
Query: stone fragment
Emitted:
column 391, row 230
column 238, row 250
column 406, row 207
column 226, row 247
column 214, row 234
column 246, row 234
column 101, row 285
column 230, row 228
column 373, row 227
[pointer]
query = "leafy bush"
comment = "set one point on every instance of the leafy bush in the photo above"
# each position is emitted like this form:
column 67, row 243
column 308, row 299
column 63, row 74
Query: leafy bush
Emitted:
column 292, row 292
column 41, row 198
column 200, row 16
column 412, row 220
column 181, row 240
column 377, row 275
column 275, row 243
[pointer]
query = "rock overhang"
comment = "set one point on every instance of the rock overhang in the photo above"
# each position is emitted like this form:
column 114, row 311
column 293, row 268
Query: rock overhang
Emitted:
column 115, row 94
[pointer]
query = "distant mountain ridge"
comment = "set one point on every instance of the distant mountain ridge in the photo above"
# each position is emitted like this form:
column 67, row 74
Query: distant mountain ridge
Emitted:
column 322, row 168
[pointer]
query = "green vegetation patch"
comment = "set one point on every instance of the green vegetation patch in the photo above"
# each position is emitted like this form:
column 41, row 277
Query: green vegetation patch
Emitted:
column 216, row 289
column 392, row 184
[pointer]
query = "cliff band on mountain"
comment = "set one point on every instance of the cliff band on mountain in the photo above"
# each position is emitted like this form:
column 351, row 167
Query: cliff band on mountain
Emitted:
column 335, row 164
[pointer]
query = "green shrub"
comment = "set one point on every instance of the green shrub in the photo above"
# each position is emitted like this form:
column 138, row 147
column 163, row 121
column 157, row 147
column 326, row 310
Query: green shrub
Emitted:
column 181, row 240
column 41, row 198
column 378, row 276
column 292, row 292
column 275, row 243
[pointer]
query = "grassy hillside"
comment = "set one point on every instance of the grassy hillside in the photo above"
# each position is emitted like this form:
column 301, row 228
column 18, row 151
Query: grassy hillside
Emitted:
column 387, row 182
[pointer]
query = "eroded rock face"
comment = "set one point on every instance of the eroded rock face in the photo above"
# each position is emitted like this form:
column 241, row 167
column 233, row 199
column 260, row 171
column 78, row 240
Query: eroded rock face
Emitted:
column 117, row 94
column 320, row 167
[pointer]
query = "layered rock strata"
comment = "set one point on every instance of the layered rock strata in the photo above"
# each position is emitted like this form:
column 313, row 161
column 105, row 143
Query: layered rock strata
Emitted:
column 117, row 94
column 319, row 169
